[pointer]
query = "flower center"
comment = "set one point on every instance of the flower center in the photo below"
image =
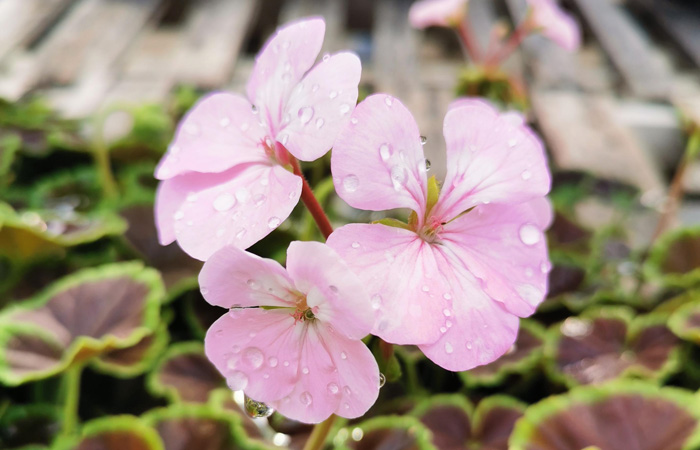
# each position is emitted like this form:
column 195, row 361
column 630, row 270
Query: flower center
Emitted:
column 275, row 151
column 303, row 313
column 430, row 232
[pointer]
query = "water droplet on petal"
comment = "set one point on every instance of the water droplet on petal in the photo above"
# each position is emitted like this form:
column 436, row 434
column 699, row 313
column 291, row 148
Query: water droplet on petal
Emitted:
column 224, row 202
column 305, row 114
column 353, row 121
column 344, row 108
column 545, row 266
column 343, row 355
column 529, row 234
column 423, row 140
column 388, row 100
column 192, row 197
column 351, row 183
column 240, row 233
column 253, row 356
column 427, row 165
column 529, row 272
column 274, row 222
column 257, row 409
column 385, row 151
column 314, row 88
column 319, row 123
column 252, row 284
column 448, row 324
column 259, row 199
column 272, row 361
column 333, row 289
column 242, row 195
column 447, row 312
column 376, row 301
column 333, row 388
column 469, row 345
column 254, row 109
column 305, row 370
column 333, row 94
column 347, row 390
column 526, row 175
column 355, row 245
column 237, row 380
column 448, row 348
column 306, row 398
column 224, row 122
column 326, row 56
column 284, row 139
column 178, row 215
column 443, row 330
column 447, row 296
column 192, row 128
column 425, row 288
column 398, row 177
column 512, row 142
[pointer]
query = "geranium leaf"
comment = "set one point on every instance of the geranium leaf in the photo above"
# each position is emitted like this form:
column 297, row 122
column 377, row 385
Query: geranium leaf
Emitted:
column 29, row 426
column 131, row 361
column 390, row 432
column 113, row 433
column 674, row 260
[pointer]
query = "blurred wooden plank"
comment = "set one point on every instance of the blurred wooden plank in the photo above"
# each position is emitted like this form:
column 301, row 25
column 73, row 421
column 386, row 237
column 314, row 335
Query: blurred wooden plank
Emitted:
column 681, row 20
column 21, row 21
column 551, row 65
column 91, row 37
column 628, row 47
column 213, row 37
column 583, row 133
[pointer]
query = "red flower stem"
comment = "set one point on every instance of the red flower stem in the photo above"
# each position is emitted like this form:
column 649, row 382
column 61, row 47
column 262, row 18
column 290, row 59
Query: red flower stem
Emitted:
column 513, row 42
column 469, row 41
column 309, row 199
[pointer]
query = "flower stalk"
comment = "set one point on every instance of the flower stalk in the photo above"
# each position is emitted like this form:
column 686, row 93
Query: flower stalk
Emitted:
column 312, row 204
column 320, row 433
column 71, row 395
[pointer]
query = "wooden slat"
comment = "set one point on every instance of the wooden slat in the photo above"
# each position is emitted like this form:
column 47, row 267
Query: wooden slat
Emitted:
column 681, row 20
column 628, row 47
column 91, row 37
column 214, row 34
column 583, row 134
column 551, row 65
column 21, row 21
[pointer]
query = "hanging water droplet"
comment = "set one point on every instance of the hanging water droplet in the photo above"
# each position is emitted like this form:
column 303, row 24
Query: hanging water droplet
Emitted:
column 376, row 301
column 224, row 202
column 545, row 266
column 333, row 94
column 344, row 108
column 204, row 290
column 257, row 409
column 355, row 245
column 385, row 151
column 333, row 388
column 428, row 164
column 305, row 114
column 351, row 183
column 253, row 356
column 306, row 398
column 529, row 234
column 319, row 123
column 382, row 379
column 423, row 140
column 326, row 56
column 237, row 380
column 388, row 100
column 448, row 348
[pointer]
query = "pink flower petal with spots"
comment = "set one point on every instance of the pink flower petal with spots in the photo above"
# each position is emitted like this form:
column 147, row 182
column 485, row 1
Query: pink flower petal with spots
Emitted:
column 441, row 13
column 304, row 357
column 489, row 160
column 555, row 24
column 320, row 106
column 237, row 207
column 218, row 133
column 281, row 64
column 256, row 281
column 399, row 271
column 504, row 247
column 378, row 161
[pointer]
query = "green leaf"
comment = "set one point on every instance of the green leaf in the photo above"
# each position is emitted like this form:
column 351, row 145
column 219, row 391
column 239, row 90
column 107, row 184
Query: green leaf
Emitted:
column 24, row 427
column 685, row 321
column 674, row 260
column 113, row 433
column 132, row 361
column 83, row 315
column 388, row 432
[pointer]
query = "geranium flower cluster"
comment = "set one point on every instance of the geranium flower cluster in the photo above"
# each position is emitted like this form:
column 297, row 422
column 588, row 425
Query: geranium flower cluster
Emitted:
column 453, row 279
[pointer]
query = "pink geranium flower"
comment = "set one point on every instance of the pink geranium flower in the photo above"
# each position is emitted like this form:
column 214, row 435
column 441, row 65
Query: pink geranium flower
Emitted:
column 555, row 24
column 456, row 278
column 226, row 176
column 439, row 13
column 292, row 337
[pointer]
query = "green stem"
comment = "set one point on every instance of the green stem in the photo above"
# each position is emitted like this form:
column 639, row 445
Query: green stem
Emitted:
column 71, row 393
column 100, row 154
column 319, row 434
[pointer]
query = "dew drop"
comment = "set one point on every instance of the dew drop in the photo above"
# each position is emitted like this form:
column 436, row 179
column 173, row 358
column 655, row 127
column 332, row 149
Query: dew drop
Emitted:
column 469, row 345
column 224, row 122
column 224, row 202
column 355, row 245
column 512, row 142
column 319, row 123
column 526, row 175
column 427, row 165
column 259, row 199
column 242, row 195
column 347, row 390
column 254, row 109
column 286, row 364
column 305, row 370
column 398, row 177
column 284, row 139
column 529, row 234
column 178, row 215
column 423, row 140
column 353, row 121
column 306, row 398
column 343, row 355
column 376, row 301
column 253, row 356
column 273, row 222
column 333, row 94
column 385, row 151
column 447, row 296
column 192, row 197
column 529, row 272
column 240, row 233
column 333, row 289
column 245, row 126
column 219, row 333
column 425, row 288
column 351, row 183
column 443, row 330
column 204, row 290
column 257, row 409
column 272, row 361
column 447, row 312
column 333, row 388
column 252, row 284
column 326, row 56
column 545, row 266
column 314, row 88
column 448, row 348
column 388, row 100
column 382, row 380
column 305, row 114
column 448, row 324
column 344, row 108
column 237, row 380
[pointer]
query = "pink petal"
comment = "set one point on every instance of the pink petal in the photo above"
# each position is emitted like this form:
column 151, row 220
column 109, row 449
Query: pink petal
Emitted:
column 257, row 351
column 237, row 207
column 489, row 159
column 377, row 161
column 219, row 132
column 556, row 24
column 504, row 247
column 399, row 271
column 320, row 106
column 478, row 331
column 281, row 64
column 334, row 293
column 442, row 13
column 232, row 277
